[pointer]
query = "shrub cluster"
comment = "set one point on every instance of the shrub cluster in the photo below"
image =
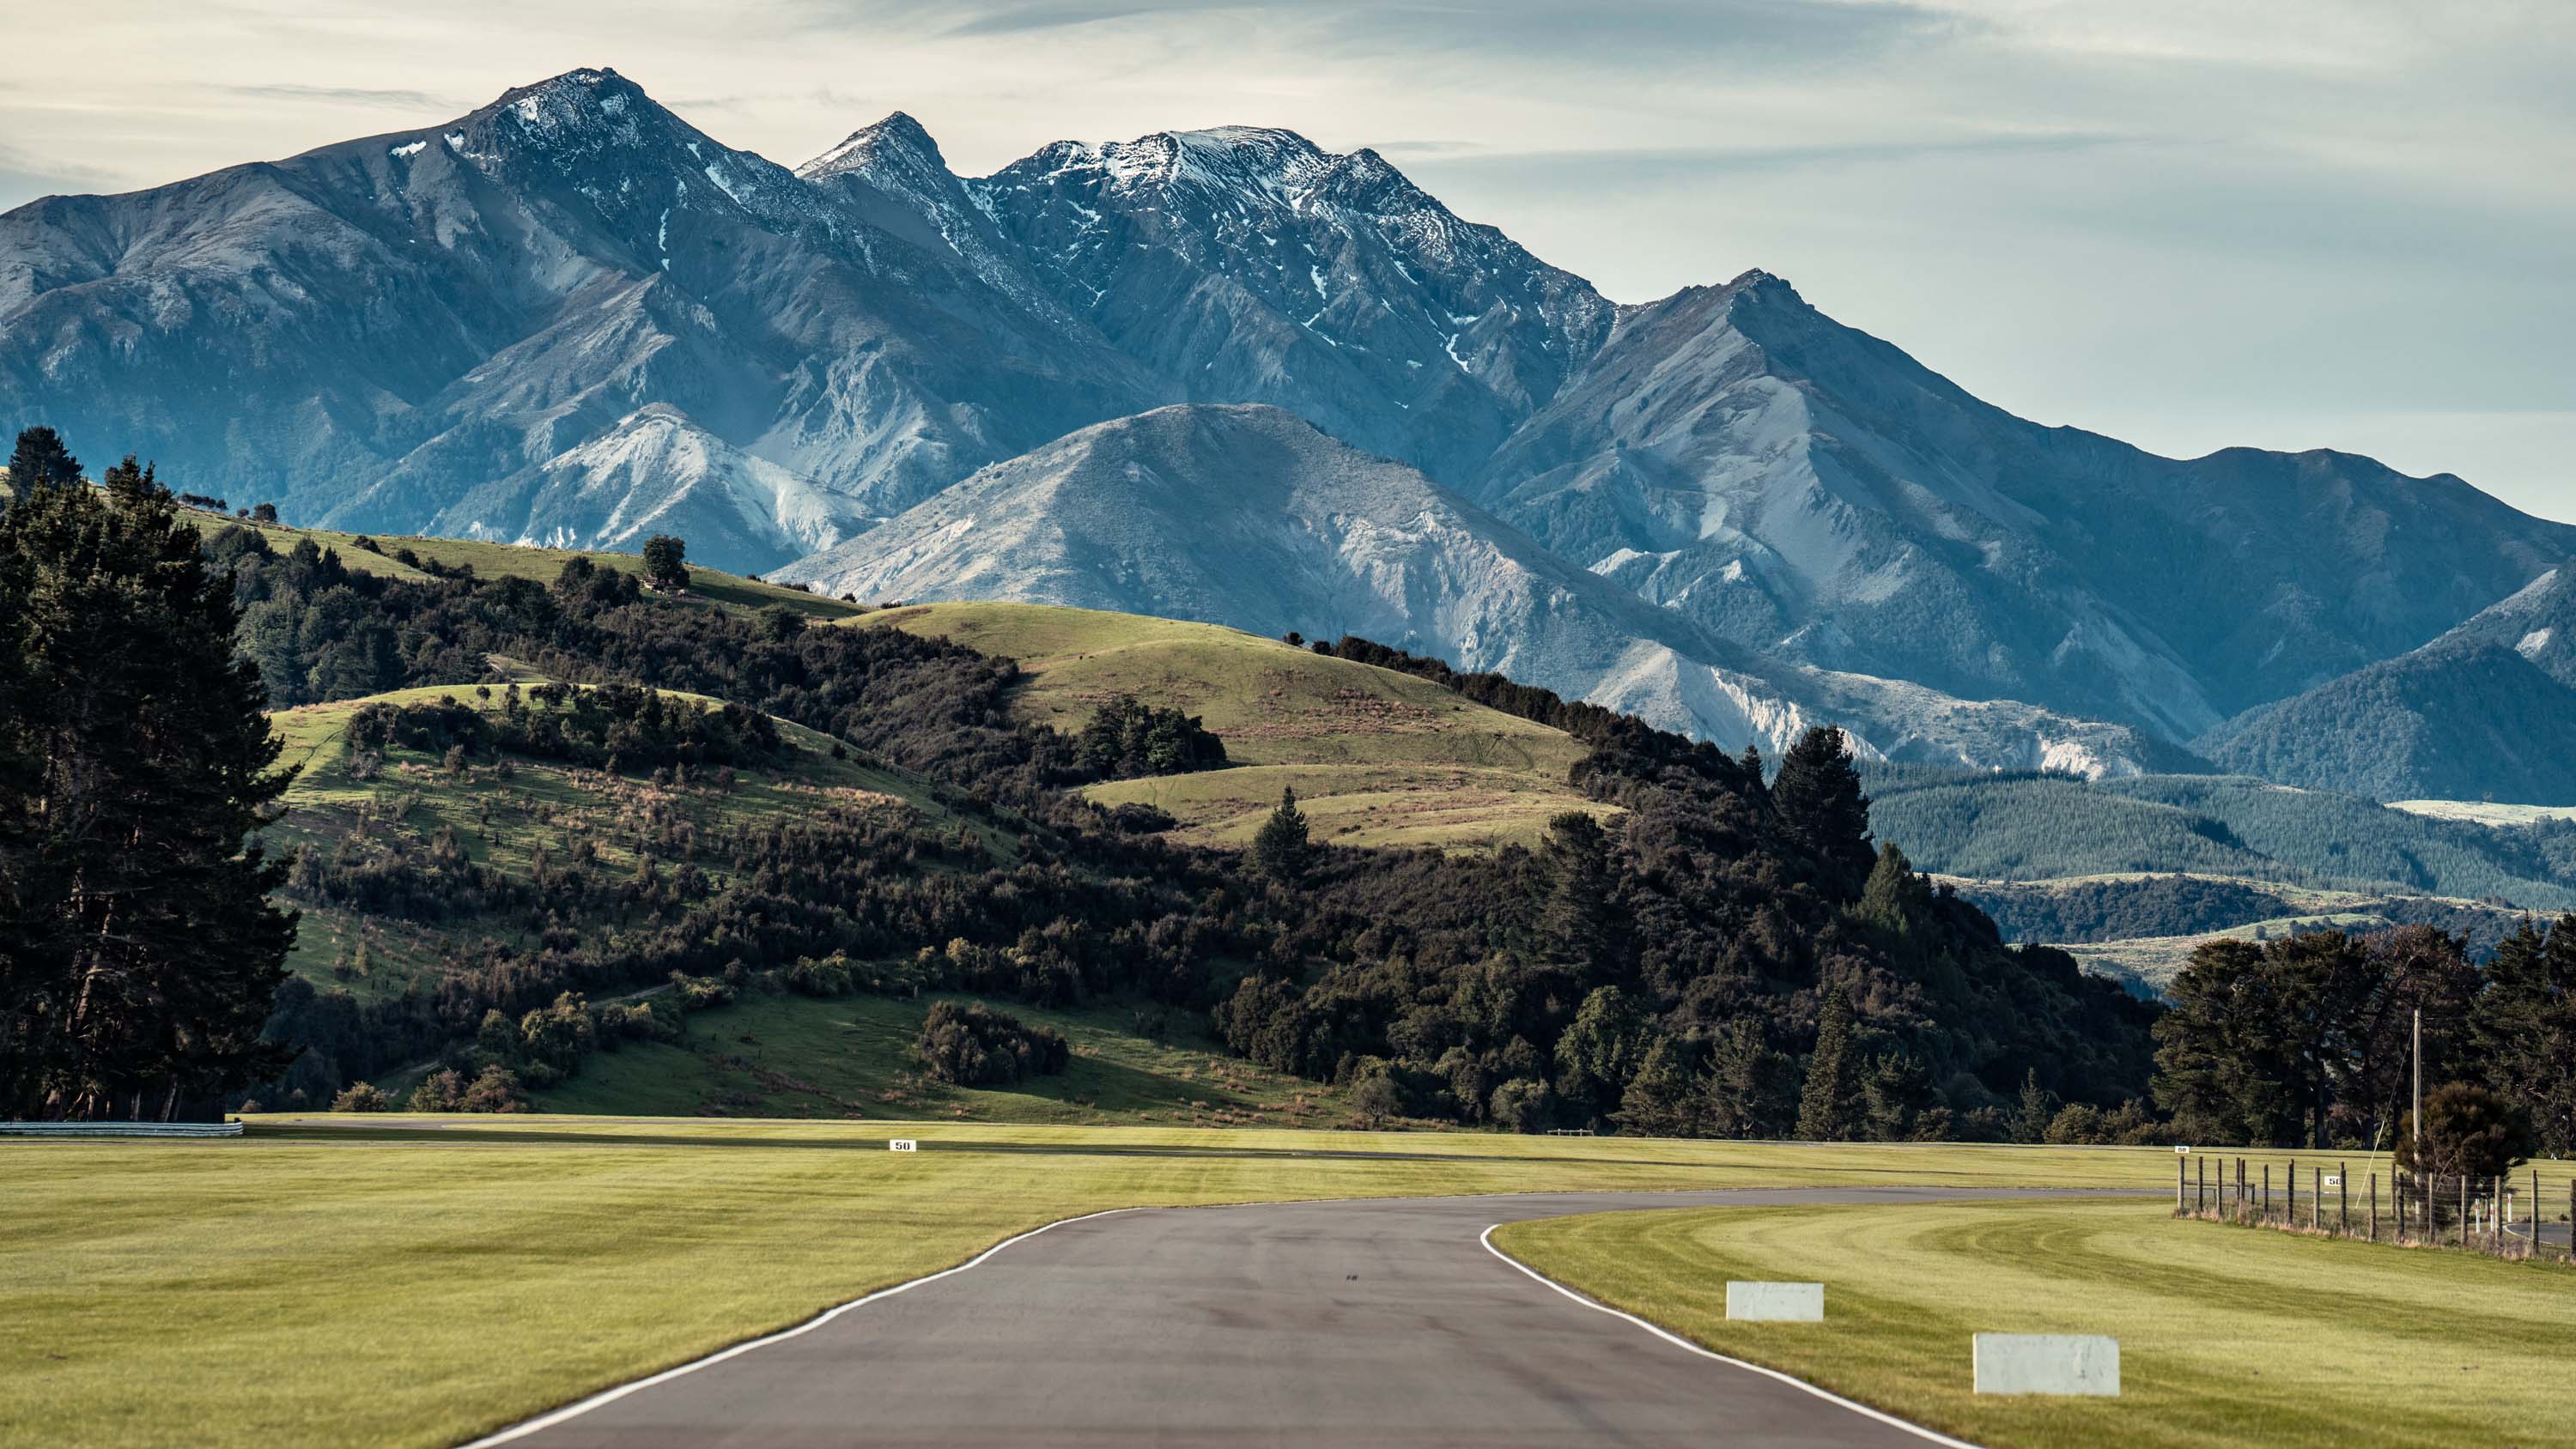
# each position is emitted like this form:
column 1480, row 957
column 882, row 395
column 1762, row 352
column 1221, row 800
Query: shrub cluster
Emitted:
column 972, row 1045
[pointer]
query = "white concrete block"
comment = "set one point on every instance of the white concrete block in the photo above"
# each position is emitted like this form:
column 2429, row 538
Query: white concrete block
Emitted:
column 1776, row 1302
column 2047, row 1363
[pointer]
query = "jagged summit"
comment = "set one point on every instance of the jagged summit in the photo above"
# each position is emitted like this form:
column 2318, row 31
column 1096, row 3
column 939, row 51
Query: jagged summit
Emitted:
column 898, row 135
column 569, row 313
column 1268, row 161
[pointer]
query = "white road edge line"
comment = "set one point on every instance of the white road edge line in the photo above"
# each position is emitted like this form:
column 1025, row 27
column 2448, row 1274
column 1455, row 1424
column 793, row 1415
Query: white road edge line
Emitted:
column 1487, row 1238
column 580, row 1407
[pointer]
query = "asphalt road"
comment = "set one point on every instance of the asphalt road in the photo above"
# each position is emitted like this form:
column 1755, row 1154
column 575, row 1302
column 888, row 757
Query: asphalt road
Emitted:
column 1379, row 1322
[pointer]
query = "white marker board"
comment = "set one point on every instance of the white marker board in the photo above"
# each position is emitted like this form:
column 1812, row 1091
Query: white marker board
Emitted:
column 902, row 1144
column 2047, row 1363
column 1776, row 1302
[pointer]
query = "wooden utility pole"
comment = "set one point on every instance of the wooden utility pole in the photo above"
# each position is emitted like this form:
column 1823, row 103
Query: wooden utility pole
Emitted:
column 2418, row 1116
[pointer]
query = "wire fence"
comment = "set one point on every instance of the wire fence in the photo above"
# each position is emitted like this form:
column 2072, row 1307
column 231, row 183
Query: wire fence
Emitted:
column 2513, row 1215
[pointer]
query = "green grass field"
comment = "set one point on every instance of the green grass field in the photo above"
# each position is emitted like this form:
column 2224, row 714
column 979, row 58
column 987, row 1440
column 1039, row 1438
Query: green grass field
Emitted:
column 325, row 1286
column 1379, row 758
column 791, row 1056
column 2227, row 1335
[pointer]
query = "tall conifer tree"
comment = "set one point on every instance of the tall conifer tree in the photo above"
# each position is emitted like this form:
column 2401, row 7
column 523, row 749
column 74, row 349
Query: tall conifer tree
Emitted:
column 1834, row 1107
column 139, row 954
column 1819, row 798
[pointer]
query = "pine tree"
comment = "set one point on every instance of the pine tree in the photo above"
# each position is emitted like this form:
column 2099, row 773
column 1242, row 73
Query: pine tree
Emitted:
column 1281, row 850
column 2524, row 1028
column 1833, row 1108
column 2037, row 1108
column 1577, row 923
column 139, row 954
column 1658, row 1101
column 1819, row 798
column 1749, row 1090
column 1895, row 898
column 1898, row 1094
column 41, row 461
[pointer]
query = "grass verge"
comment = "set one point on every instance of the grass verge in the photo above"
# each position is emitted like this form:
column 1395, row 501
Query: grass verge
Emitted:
column 2225, row 1336
column 322, row 1286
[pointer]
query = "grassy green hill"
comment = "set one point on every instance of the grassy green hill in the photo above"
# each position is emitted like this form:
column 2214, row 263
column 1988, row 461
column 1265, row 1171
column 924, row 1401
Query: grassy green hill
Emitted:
column 768, row 1053
column 506, row 560
column 1377, row 757
column 498, row 814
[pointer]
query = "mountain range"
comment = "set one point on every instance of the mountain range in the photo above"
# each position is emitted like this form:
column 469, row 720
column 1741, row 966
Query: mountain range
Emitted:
column 1225, row 374
column 2486, row 711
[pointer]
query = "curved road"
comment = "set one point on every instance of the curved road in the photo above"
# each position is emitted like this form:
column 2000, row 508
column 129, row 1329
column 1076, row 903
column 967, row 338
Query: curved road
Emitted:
column 1370, row 1322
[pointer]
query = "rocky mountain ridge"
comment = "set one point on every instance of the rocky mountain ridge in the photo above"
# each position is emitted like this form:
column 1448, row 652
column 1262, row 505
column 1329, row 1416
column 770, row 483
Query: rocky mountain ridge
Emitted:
column 571, row 317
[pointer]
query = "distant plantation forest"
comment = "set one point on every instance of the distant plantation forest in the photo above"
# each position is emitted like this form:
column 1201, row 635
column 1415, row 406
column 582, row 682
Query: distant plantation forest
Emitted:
column 2048, row 826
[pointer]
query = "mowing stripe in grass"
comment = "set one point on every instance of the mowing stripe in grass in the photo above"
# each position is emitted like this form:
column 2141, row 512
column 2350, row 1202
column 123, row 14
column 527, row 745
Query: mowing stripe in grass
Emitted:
column 1487, row 1238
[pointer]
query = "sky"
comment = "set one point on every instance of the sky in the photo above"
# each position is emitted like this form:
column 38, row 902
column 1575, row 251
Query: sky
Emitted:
column 2186, row 223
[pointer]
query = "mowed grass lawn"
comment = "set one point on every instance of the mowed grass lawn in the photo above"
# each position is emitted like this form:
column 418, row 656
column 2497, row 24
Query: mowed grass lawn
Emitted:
column 326, row 1286
column 2227, row 1335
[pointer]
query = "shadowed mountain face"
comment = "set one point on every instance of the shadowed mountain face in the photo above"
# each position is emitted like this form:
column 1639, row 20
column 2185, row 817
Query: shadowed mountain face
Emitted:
column 424, row 330
column 2488, row 710
column 1249, row 516
column 570, row 317
column 1811, row 491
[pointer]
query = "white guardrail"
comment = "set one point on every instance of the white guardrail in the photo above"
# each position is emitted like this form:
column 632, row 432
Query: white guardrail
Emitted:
column 120, row 1129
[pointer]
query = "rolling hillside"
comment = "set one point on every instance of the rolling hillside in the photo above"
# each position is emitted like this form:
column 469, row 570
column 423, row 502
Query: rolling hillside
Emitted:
column 1376, row 757
column 502, row 560
column 765, row 1052
column 406, row 808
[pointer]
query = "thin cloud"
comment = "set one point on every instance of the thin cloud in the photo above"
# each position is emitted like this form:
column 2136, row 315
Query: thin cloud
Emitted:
column 404, row 100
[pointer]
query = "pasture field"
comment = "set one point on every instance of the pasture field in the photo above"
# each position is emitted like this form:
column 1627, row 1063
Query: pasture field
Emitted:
column 1377, row 757
column 2227, row 1335
column 367, row 1284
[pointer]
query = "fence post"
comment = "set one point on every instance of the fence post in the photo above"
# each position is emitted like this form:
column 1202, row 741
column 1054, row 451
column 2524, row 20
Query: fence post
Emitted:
column 2464, row 1209
column 2181, row 1168
column 2374, row 1207
column 2343, row 1198
column 2200, row 1185
column 2267, row 1193
column 2317, row 1198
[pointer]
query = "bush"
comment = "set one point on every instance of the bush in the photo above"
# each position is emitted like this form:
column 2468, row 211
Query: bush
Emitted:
column 438, row 1092
column 827, row 977
column 698, row 993
column 2469, row 1131
column 362, row 1097
column 1524, row 1104
column 497, row 1090
column 972, row 1045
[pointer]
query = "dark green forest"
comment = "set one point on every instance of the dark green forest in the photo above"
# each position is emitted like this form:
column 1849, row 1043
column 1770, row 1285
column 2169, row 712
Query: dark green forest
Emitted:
column 2042, row 826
